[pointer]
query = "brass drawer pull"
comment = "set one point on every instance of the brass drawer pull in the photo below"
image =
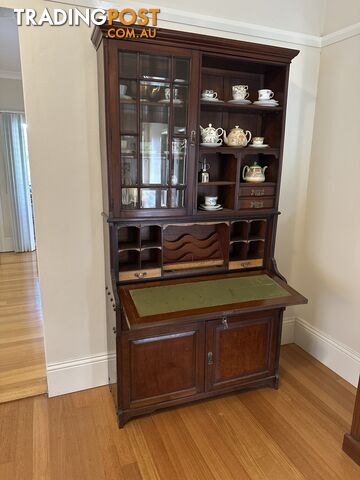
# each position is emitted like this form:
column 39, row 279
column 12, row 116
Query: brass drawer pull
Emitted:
column 140, row 274
column 256, row 204
column 257, row 193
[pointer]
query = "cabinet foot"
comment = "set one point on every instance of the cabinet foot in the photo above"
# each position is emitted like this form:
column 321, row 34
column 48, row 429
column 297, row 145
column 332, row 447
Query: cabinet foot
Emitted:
column 276, row 381
column 121, row 419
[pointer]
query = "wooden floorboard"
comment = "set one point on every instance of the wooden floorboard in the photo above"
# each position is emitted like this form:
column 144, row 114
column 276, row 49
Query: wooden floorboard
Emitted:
column 22, row 359
column 291, row 433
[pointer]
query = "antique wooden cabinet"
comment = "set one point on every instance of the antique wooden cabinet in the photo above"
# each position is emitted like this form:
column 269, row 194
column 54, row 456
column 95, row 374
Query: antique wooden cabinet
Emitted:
column 195, row 300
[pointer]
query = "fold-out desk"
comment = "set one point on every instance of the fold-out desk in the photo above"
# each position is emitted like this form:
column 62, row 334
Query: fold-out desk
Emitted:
column 188, row 339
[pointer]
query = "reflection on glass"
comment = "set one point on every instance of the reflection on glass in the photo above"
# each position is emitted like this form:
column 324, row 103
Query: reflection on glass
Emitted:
column 181, row 70
column 153, row 198
column 180, row 110
column 128, row 160
column 179, row 161
column 128, row 118
column 129, row 198
column 154, row 66
column 152, row 91
column 154, row 144
column 127, row 64
column 127, row 90
column 176, row 199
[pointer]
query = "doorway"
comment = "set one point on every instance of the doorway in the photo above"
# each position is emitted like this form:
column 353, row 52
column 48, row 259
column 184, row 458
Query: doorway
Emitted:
column 22, row 357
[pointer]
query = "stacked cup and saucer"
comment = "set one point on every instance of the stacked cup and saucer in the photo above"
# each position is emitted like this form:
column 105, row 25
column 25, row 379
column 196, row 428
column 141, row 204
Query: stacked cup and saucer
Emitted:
column 210, row 96
column 266, row 98
column 240, row 95
column 210, row 204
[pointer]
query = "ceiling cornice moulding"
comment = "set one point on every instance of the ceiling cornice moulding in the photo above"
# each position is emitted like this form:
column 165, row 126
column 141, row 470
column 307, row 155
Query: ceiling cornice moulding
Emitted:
column 169, row 18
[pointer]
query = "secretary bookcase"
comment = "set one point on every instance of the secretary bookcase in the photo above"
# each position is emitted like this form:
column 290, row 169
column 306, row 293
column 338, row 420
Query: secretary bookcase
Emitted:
column 195, row 300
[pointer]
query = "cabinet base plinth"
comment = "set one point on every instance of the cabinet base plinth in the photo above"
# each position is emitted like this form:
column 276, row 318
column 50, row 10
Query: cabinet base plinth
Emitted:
column 127, row 415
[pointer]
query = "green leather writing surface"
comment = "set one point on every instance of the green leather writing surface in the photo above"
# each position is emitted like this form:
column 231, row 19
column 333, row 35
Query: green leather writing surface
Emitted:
column 203, row 294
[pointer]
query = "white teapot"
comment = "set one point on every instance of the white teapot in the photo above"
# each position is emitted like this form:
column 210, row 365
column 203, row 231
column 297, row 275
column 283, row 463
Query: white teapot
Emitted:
column 254, row 174
column 211, row 134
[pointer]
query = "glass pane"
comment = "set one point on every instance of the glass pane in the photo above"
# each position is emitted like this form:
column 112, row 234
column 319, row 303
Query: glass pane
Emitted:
column 154, row 144
column 179, row 161
column 127, row 64
column 128, row 119
column 127, row 90
column 128, row 161
column 129, row 198
column 177, row 198
column 180, row 109
column 153, row 198
column 181, row 70
column 152, row 91
column 155, row 66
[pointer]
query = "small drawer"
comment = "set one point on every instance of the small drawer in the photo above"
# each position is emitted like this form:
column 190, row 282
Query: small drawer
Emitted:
column 258, row 203
column 257, row 191
column 242, row 264
column 139, row 274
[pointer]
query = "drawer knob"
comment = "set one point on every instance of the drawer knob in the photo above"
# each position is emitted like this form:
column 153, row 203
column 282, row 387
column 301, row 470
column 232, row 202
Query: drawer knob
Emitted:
column 225, row 323
column 140, row 274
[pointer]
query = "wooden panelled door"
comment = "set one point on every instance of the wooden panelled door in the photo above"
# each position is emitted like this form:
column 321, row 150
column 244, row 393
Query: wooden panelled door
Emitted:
column 239, row 348
column 164, row 366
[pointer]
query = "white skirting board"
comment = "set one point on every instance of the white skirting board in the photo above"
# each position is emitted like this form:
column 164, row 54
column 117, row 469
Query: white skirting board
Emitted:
column 93, row 371
column 335, row 355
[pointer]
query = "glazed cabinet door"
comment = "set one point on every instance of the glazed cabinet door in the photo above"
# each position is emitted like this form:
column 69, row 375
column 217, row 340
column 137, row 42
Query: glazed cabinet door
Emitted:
column 242, row 348
column 154, row 123
column 162, row 366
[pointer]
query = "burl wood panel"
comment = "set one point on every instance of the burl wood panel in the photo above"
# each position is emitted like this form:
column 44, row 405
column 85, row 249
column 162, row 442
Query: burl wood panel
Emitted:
column 165, row 366
column 241, row 349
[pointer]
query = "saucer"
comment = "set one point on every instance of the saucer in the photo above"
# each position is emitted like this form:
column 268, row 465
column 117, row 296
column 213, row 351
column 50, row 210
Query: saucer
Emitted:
column 267, row 103
column 125, row 97
column 176, row 101
column 211, row 99
column 211, row 208
column 262, row 145
column 240, row 102
column 212, row 145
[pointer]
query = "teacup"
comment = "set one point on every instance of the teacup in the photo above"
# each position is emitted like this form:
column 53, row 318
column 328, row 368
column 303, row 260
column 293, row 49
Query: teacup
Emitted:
column 210, row 201
column 258, row 140
column 123, row 89
column 208, row 94
column 240, row 95
column 175, row 93
column 265, row 94
column 239, row 89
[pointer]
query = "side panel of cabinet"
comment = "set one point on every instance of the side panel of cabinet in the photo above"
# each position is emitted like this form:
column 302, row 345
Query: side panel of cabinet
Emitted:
column 162, row 365
column 242, row 349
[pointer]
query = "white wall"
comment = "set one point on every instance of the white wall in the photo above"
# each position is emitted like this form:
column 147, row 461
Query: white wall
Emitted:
column 340, row 15
column 327, row 257
column 60, row 87
column 11, row 99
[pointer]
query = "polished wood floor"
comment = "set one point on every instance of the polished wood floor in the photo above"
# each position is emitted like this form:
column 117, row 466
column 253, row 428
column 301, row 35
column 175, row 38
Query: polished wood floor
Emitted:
column 295, row 432
column 22, row 360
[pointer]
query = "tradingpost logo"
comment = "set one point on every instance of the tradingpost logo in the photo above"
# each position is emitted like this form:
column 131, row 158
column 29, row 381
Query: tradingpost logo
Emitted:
column 121, row 22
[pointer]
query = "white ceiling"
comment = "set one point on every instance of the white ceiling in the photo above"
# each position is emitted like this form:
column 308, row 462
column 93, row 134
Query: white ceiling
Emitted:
column 10, row 65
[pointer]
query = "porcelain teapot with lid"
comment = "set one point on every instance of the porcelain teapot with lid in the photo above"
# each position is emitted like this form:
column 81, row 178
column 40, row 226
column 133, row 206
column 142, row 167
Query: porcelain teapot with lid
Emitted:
column 254, row 173
column 237, row 137
column 211, row 134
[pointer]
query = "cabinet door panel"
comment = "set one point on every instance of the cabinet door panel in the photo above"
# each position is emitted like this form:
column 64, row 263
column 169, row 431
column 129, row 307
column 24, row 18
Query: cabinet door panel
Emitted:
column 241, row 348
column 165, row 366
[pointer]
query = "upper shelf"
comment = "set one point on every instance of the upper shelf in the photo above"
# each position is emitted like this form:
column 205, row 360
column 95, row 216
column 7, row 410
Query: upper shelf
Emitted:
column 243, row 150
column 250, row 108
